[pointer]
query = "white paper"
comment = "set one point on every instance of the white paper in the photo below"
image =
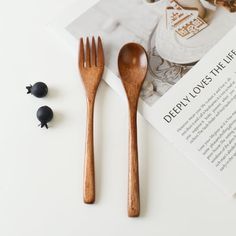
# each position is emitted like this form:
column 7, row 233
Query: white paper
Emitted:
column 170, row 88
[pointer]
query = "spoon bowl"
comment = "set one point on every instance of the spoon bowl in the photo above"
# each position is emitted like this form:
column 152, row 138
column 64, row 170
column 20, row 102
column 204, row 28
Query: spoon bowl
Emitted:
column 133, row 64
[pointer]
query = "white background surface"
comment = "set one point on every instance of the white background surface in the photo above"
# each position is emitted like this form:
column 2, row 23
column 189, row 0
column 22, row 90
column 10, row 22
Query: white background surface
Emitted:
column 41, row 170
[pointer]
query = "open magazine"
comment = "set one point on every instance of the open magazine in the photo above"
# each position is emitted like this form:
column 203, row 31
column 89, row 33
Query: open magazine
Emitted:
column 189, row 94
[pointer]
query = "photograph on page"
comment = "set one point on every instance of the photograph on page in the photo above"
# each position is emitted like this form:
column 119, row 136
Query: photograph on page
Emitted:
column 176, row 34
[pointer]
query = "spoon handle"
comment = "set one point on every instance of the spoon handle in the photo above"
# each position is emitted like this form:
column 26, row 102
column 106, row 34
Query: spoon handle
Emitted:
column 133, row 181
column 89, row 175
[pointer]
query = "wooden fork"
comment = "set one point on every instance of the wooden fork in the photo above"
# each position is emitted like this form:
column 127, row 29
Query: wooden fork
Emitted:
column 91, row 67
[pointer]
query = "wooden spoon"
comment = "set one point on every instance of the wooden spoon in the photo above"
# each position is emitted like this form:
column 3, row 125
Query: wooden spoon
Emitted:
column 132, row 64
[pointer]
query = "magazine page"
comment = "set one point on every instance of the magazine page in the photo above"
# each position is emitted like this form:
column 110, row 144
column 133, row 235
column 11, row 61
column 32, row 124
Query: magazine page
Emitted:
column 199, row 114
column 179, row 91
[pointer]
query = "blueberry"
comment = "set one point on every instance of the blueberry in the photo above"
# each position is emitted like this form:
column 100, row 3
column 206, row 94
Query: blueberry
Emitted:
column 44, row 115
column 39, row 89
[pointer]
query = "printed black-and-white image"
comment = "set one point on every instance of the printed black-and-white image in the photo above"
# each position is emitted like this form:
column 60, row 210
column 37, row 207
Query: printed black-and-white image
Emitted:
column 175, row 34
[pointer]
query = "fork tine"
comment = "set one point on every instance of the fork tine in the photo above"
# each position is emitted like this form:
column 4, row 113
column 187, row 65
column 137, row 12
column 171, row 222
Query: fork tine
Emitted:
column 88, row 64
column 81, row 53
column 94, row 54
column 100, row 53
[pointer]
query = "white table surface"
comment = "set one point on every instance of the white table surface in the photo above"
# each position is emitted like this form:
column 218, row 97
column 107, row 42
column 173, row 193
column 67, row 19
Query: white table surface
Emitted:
column 41, row 170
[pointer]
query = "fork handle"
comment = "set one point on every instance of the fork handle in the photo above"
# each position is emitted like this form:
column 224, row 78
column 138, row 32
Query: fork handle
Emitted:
column 89, row 175
column 133, row 176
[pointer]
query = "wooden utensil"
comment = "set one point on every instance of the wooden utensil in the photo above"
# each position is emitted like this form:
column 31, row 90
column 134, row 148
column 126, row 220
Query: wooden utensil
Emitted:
column 91, row 67
column 132, row 64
